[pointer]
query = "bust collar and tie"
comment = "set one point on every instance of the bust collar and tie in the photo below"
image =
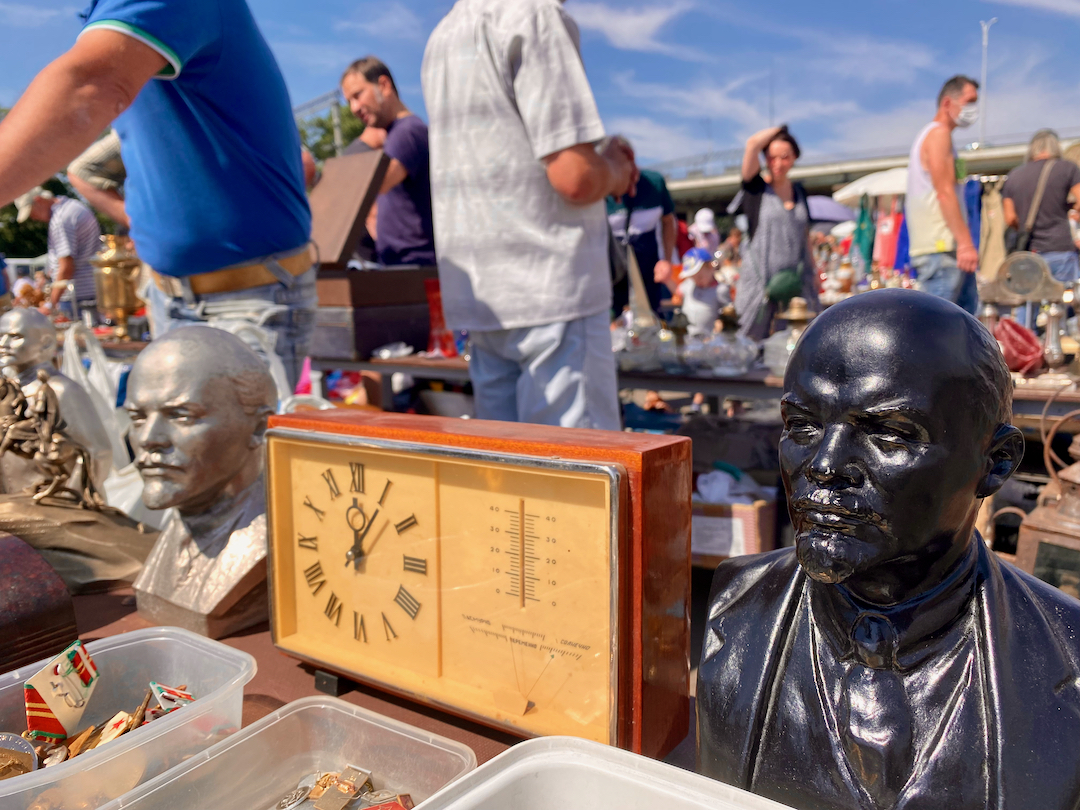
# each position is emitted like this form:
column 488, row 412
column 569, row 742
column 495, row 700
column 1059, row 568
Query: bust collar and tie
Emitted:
column 881, row 653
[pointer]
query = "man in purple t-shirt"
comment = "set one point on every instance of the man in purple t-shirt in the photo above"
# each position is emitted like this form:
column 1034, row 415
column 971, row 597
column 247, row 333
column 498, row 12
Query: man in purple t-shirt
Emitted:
column 403, row 232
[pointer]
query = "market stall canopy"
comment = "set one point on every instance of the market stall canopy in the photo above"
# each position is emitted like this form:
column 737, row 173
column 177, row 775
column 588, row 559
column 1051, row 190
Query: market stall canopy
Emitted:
column 890, row 183
column 826, row 209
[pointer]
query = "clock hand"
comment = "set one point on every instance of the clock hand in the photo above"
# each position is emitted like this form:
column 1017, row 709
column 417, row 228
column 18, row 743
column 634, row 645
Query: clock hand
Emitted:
column 376, row 538
column 357, row 551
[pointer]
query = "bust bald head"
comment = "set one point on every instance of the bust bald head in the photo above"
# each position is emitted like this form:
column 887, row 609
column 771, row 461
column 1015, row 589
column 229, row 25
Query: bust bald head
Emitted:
column 199, row 399
column 896, row 425
column 27, row 339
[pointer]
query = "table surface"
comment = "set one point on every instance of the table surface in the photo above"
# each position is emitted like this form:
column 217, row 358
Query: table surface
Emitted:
column 280, row 679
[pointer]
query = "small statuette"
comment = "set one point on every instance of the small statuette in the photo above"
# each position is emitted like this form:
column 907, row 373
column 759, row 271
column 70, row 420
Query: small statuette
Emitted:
column 53, row 755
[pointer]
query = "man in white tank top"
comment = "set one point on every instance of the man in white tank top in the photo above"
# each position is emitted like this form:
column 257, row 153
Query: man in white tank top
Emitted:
column 942, row 250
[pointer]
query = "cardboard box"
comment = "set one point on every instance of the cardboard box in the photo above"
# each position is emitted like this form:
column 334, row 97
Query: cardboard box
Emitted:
column 719, row 531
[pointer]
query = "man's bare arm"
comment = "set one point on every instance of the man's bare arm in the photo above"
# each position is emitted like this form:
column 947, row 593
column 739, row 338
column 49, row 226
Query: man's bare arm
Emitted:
column 65, row 271
column 662, row 272
column 1011, row 219
column 938, row 158
column 1075, row 193
column 582, row 176
column 395, row 175
column 68, row 104
column 110, row 203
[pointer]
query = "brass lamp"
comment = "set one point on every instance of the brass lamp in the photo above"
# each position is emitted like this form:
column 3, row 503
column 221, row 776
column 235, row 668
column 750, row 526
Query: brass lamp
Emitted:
column 116, row 277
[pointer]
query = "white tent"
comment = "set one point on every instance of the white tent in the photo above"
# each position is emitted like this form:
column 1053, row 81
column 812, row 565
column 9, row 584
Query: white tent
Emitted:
column 890, row 183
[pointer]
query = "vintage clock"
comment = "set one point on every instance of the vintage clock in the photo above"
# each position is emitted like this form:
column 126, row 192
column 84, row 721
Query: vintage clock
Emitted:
column 535, row 579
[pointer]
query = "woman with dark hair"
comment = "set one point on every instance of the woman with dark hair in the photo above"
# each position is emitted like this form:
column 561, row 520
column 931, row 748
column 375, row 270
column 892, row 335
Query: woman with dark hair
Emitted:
column 777, row 265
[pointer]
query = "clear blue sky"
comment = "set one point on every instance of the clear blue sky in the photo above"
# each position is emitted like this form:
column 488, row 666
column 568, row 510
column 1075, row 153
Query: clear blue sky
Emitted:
column 681, row 76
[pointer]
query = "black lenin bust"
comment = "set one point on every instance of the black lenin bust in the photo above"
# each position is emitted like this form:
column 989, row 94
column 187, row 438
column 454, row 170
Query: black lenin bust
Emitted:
column 890, row 660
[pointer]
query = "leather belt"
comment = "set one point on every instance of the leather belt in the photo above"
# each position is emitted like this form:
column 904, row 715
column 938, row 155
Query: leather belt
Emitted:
column 240, row 277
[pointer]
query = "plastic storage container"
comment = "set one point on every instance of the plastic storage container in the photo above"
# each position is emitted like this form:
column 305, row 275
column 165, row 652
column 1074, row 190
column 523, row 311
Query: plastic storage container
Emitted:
column 213, row 672
column 559, row 773
column 256, row 767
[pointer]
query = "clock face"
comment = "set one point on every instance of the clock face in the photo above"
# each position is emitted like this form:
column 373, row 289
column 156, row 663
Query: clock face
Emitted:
column 483, row 586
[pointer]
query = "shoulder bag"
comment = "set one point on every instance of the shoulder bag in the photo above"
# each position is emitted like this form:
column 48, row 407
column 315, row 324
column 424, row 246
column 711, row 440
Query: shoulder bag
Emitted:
column 1023, row 239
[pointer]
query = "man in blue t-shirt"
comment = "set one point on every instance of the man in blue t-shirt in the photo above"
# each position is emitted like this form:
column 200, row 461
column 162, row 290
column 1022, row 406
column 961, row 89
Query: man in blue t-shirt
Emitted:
column 214, row 191
column 403, row 233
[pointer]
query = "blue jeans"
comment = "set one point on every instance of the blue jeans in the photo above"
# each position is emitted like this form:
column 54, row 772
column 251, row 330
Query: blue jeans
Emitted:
column 1064, row 265
column 557, row 374
column 285, row 311
column 940, row 275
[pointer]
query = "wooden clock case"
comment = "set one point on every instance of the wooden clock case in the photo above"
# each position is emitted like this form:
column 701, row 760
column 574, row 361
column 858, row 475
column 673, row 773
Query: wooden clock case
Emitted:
column 654, row 573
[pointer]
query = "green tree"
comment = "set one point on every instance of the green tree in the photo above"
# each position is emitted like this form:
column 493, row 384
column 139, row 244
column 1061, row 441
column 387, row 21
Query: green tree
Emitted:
column 317, row 133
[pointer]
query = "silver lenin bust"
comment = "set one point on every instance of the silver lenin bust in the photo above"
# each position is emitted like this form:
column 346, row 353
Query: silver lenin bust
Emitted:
column 199, row 399
column 27, row 346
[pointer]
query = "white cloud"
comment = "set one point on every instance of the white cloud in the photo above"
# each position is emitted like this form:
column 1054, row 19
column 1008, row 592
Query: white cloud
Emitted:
column 314, row 57
column 22, row 15
column 654, row 141
column 888, row 132
column 1070, row 7
column 739, row 101
column 391, row 20
column 635, row 29
column 871, row 61
column 860, row 56
column 1028, row 96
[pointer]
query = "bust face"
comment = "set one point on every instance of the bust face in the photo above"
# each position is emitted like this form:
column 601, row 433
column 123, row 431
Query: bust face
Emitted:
column 190, row 433
column 882, row 452
column 27, row 338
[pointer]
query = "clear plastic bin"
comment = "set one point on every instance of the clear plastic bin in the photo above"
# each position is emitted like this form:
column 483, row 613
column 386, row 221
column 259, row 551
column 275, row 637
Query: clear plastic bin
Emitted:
column 255, row 767
column 557, row 773
column 213, row 672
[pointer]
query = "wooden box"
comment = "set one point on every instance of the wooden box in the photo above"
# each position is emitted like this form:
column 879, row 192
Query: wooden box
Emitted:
column 650, row 542
column 361, row 310
column 340, row 204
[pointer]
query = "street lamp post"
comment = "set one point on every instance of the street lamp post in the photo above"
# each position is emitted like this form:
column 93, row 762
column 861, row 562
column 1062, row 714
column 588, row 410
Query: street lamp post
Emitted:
column 982, row 88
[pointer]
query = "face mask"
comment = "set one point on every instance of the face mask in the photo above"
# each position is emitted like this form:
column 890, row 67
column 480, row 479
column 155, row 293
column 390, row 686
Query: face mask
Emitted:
column 969, row 114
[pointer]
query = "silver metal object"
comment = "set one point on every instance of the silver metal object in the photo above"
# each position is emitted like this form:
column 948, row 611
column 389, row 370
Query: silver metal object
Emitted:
column 293, row 798
column 199, row 399
column 27, row 345
column 1052, row 351
column 54, row 756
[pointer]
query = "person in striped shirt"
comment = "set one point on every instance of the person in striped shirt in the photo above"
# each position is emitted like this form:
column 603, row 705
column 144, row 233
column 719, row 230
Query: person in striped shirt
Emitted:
column 74, row 238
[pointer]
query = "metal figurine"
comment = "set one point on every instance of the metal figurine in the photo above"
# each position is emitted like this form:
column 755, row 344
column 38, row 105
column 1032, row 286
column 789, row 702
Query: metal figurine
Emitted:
column 27, row 346
column 34, row 430
column 891, row 660
column 199, row 399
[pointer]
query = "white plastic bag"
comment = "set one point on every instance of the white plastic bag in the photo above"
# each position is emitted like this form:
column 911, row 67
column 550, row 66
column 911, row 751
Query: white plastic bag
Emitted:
column 101, row 384
column 263, row 342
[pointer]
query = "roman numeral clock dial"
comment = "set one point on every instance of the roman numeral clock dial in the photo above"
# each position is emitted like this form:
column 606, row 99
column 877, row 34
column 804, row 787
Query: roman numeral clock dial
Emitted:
column 365, row 546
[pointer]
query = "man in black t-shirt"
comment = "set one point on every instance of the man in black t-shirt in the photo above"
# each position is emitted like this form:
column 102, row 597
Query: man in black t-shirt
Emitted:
column 1050, row 235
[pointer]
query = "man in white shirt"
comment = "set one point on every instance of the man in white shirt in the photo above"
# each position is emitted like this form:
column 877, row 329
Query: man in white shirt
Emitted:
column 942, row 249
column 74, row 239
column 517, row 187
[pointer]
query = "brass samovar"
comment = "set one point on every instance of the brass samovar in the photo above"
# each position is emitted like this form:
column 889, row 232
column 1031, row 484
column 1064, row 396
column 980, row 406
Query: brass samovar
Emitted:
column 116, row 277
